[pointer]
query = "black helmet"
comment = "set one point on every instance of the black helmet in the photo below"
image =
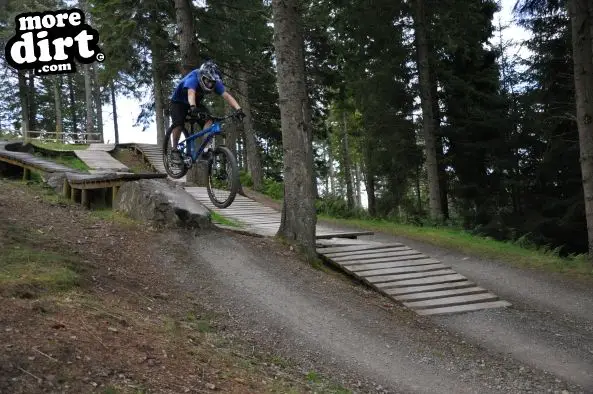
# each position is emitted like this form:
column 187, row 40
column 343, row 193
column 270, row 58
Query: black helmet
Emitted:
column 209, row 74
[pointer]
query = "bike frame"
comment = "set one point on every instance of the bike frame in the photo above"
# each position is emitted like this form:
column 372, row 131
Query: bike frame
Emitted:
column 210, row 132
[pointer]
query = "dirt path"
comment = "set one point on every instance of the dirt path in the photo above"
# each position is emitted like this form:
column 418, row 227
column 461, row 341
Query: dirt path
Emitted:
column 549, row 327
column 323, row 322
column 174, row 311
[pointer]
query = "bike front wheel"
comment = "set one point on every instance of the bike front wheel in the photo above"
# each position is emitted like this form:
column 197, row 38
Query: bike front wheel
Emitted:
column 223, row 177
column 174, row 162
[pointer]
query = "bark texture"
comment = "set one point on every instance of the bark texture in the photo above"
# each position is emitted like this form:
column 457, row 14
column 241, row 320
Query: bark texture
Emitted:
column 580, row 13
column 298, row 211
column 428, row 116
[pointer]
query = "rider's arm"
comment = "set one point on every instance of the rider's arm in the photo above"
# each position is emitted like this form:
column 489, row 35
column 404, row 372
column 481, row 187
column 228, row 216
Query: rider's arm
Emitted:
column 231, row 100
column 191, row 97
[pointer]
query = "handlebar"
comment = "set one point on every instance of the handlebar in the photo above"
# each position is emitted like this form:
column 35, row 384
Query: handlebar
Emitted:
column 206, row 116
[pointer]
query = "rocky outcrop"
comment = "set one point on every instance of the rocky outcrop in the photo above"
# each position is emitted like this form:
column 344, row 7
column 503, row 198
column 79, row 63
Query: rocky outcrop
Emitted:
column 161, row 204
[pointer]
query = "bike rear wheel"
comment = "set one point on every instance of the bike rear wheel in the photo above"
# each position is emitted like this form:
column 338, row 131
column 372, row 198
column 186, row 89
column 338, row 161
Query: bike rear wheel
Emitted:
column 174, row 170
column 223, row 177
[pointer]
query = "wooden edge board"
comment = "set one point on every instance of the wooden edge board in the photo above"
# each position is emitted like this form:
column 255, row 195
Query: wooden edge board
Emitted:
column 415, row 275
column 451, row 300
column 427, row 295
column 424, row 288
column 464, row 308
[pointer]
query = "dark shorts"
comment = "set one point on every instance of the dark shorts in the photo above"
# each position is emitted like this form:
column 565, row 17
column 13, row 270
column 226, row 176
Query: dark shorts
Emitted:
column 179, row 112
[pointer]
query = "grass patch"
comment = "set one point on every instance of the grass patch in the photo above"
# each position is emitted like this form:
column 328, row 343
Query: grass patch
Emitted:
column 59, row 146
column 113, row 216
column 23, row 267
column 72, row 162
column 43, row 190
column 479, row 246
column 218, row 218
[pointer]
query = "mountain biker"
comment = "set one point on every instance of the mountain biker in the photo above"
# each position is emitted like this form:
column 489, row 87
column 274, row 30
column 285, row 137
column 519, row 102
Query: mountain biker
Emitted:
column 188, row 96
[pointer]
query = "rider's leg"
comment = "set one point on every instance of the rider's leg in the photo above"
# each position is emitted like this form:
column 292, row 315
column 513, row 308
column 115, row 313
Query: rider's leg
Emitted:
column 176, row 134
column 178, row 113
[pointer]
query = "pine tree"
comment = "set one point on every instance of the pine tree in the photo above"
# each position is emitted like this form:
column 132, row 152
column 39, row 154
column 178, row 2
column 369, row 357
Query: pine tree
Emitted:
column 298, row 211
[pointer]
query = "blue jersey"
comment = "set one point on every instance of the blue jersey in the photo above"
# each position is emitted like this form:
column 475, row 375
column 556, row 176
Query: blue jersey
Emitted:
column 191, row 81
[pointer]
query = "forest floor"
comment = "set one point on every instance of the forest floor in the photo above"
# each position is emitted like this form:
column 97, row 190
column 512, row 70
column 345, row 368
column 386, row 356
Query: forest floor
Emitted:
column 94, row 302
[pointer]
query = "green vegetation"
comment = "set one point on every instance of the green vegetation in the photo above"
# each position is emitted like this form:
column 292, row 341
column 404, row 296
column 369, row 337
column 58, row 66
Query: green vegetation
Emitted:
column 22, row 265
column 67, row 160
column 273, row 189
column 9, row 136
column 519, row 252
column 27, row 266
column 113, row 216
column 71, row 161
column 218, row 218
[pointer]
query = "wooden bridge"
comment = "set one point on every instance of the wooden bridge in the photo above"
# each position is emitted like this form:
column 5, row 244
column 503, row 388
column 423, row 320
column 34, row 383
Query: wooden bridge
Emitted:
column 77, row 186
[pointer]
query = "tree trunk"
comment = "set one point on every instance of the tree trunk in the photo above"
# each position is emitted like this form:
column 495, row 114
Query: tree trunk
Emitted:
column 189, row 60
column 157, row 89
column 370, row 186
column 253, row 154
column 346, row 162
column 357, row 184
column 298, row 211
column 114, row 106
column 32, row 100
column 187, row 44
column 72, row 106
column 428, row 119
column 88, row 92
column 58, row 104
column 231, row 133
column 24, row 96
column 580, row 16
column 418, row 195
column 332, row 187
column 98, row 104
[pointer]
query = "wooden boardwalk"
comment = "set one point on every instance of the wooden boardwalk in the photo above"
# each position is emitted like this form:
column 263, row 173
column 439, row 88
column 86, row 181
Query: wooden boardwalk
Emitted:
column 259, row 219
column 98, row 159
column 405, row 275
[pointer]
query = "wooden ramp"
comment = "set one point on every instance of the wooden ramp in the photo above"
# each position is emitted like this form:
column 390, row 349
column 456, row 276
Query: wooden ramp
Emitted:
column 259, row 219
column 419, row 282
column 98, row 159
column 153, row 154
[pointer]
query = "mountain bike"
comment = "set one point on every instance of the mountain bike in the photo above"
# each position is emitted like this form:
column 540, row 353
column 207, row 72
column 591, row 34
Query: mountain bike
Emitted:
column 222, row 164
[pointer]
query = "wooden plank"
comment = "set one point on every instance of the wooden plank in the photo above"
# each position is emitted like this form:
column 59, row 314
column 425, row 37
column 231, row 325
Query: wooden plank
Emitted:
column 402, row 270
column 375, row 256
column 452, row 300
column 344, row 234
column 361, row 247
column 375, row 251
column 397, row 277
column 422, row 281
column 391, row 264
column 464, row 308
column 430, row 287
column 438, row 294
column 326, row 243
column 410, row 257
column 253, row 215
